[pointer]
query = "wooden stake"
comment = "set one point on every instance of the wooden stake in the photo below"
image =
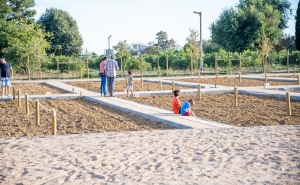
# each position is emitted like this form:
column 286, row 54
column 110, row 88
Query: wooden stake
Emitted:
column 160, row 85
column 191, row 64
column 14, row 94
column 57, row 66
column 37, row 113
column 288, row 104
column 173, row 86
column 199, row 76
column 19, row 98
column 235, row 96
column 217, row 74
column 288, row 61
column 216, row 63
column 28, row 67
column 294, row 71
column 80, row 70
column 142, row 67
column 240, row 78
column 240, row 68
column 167, row 65
column 199, row 92
column 142, row 84
column 27, row 104
column 266, row 78
column 298, row 79
column 54, row 125
column 87, row 66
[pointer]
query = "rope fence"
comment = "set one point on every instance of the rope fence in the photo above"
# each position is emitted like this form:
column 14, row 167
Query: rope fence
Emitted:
column 38, row 105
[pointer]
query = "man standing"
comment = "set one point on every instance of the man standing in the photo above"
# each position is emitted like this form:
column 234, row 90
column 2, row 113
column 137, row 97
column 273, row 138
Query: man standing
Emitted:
column 111, row 72
column 6, row 75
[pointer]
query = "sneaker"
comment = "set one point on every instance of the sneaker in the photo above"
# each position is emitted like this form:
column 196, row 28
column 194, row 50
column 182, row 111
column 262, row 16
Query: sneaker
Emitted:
column 9, row 96
column 2, row 96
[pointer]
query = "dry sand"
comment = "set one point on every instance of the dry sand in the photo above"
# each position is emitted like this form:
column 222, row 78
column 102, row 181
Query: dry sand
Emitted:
column 226, row 81
column 37, row 89
column 120, row 86
column 253, row 155
column 73, row 117
column 251, row 110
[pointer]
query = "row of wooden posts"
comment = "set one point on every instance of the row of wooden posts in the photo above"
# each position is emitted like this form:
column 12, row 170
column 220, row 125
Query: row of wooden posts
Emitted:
column 17, row 93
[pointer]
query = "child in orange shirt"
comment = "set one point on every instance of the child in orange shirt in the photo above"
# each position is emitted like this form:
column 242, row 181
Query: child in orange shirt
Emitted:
column 176, row 105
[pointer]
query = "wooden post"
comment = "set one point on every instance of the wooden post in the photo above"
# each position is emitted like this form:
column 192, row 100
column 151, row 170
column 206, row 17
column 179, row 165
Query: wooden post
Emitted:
column 199, row 92
column 266, row 78
column 142, row 84
column 122, row 67
column 229, row 70
column 235, row 96
column 167, row 65
column 240, row 63
column 288, row 104
column 87, row 66
column 54, row 126
column 288, row 61
column 173, row 86
column 217, row 75
column 191, row 64
column 198, row 75
column 37, row 113
column 28, row 67
column 160, row 85
column 298, row 79
column 14, row 94
column 27, row 104
column 158, row 67
column 142, row 66
column 294, row 71
column 216, row 63
column 240, row 78
column 19, row 98
column 57, row 66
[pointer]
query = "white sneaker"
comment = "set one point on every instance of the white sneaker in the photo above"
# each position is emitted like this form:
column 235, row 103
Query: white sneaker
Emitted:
column 2, row 95
column 9, row 96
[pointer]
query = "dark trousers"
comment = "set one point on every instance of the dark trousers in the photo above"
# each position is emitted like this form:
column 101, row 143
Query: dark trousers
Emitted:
column 111, row 84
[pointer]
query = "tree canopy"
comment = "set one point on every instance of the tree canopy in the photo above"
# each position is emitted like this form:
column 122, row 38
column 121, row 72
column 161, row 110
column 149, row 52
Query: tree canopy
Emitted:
column 66, row 39
column 250, row 24
column 297, row 32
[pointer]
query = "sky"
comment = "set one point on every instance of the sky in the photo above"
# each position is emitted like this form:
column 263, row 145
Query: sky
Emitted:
column 138, row 21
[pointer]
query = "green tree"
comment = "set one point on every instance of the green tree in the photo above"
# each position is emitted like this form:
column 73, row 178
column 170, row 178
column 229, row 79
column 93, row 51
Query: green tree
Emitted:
column 251, row 24
column 17, row 10
column 163, row 42
column 297, row 31
column 123, row 51
column 65, row 39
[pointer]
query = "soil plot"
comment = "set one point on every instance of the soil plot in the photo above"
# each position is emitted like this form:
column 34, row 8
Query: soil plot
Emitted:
column 37, row 89
column 251, row 110
column 225, row 81
column 73, row 117
column 120, row 86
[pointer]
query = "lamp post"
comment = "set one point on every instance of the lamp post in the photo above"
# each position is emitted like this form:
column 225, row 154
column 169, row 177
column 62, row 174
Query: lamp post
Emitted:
column 201, row 60
column 109, row 45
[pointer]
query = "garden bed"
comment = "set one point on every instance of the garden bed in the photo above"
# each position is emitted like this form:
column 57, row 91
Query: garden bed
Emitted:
column 37, row 89
column 251, row 110
column 226, row 81
column 120, row 86
column 73, row 117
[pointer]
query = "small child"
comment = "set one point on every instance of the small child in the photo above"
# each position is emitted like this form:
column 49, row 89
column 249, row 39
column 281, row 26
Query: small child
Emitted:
column 186, row 108
column 176, row 105
column 129, row 83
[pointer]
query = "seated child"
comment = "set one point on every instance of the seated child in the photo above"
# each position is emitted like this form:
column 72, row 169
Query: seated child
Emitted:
column 176, row 105
column 129, row 83
column 186, row 108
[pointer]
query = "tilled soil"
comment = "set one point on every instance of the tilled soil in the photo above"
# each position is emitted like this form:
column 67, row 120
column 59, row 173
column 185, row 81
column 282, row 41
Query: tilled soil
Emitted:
column 73, row 117
column 120, row 86
column 225, row 81
column 37, row 89
column 251, row 110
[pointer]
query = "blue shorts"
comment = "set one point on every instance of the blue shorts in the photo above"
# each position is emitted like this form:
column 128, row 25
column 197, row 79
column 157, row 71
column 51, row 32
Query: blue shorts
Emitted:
column 5, row 81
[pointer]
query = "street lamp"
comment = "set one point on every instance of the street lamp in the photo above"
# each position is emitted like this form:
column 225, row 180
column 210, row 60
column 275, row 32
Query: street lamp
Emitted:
column 109, row 45
column 201, row 60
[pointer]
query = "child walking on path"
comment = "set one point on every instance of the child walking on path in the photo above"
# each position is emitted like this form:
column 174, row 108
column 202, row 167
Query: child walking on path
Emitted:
column 176, row 105
column 129, row 83
column 186, row 108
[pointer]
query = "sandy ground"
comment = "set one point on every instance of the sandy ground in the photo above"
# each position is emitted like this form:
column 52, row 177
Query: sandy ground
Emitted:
column 226, row 81
column 120, row 86
column 251, row 110
column 256, row 155
column 37, row 89
column 73, row 117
